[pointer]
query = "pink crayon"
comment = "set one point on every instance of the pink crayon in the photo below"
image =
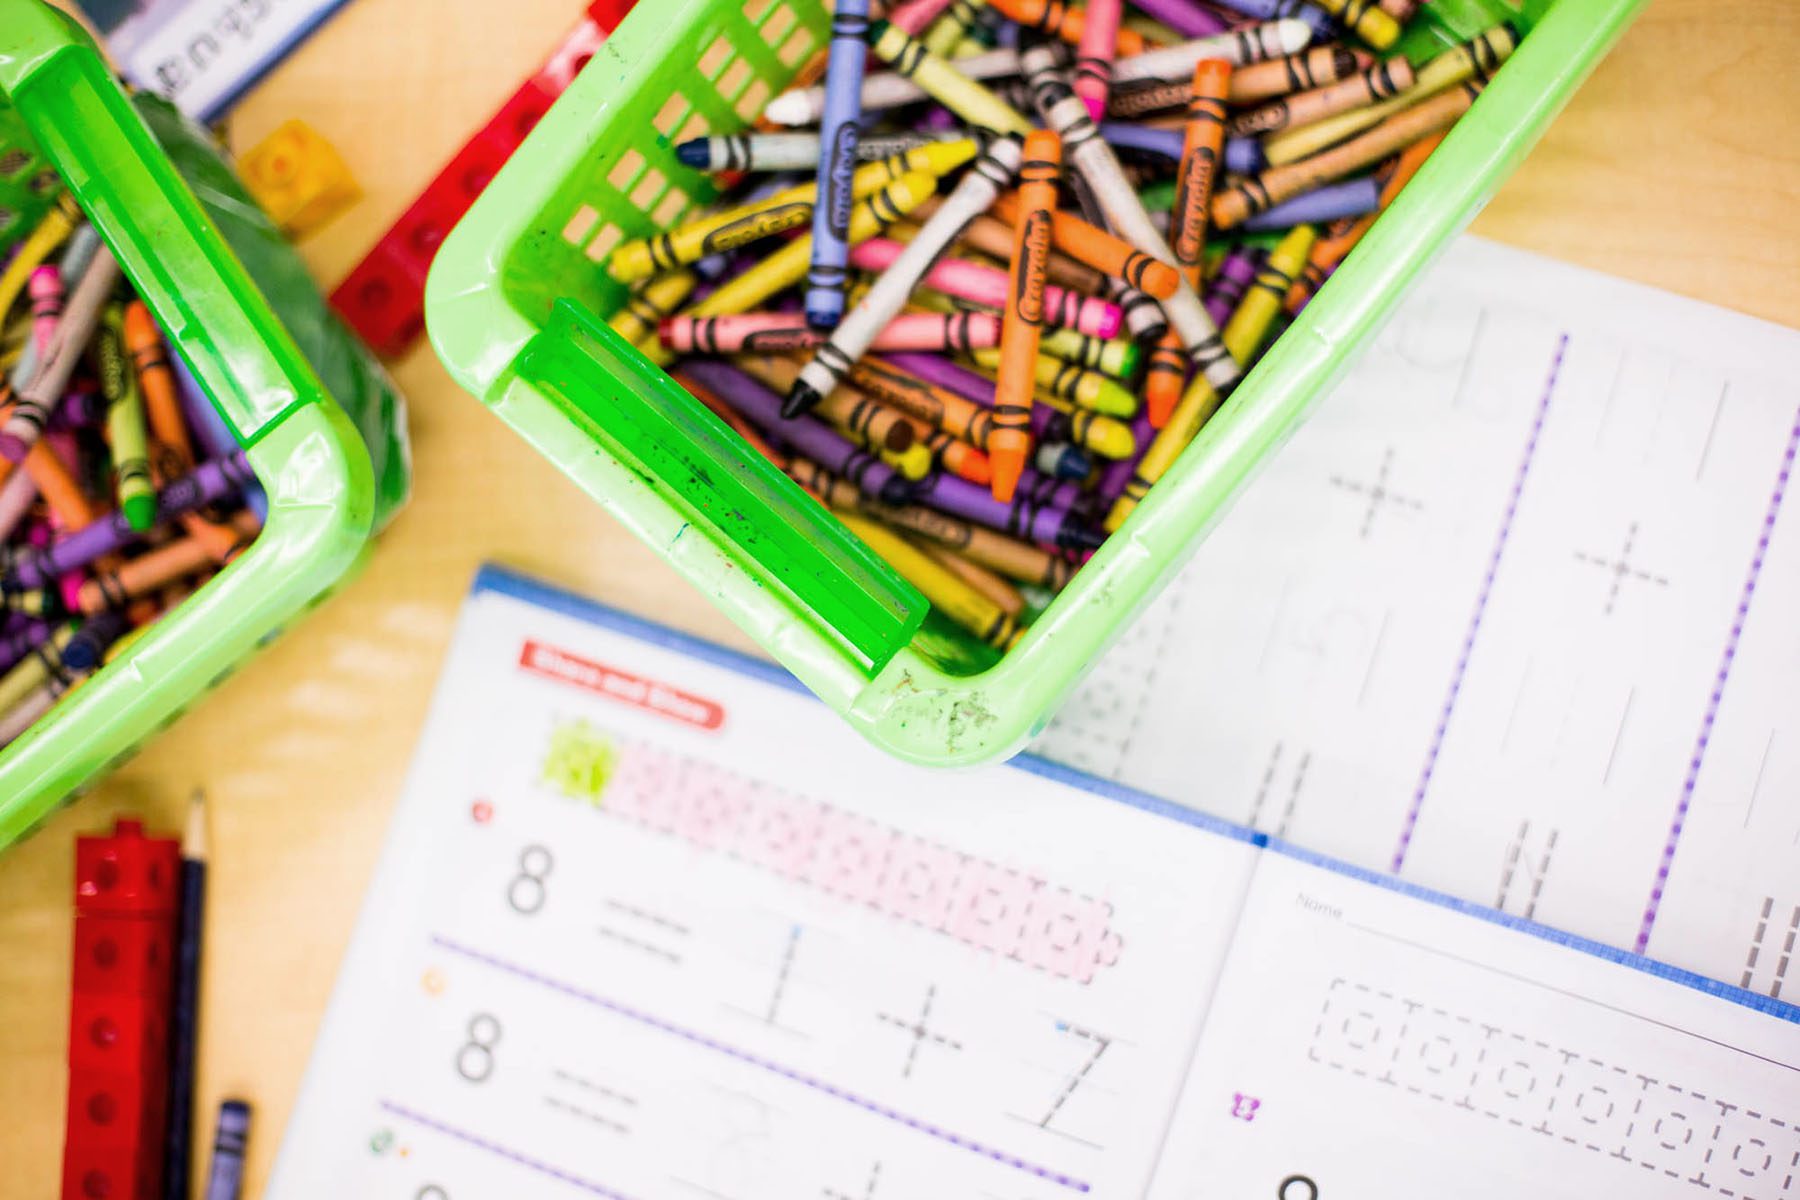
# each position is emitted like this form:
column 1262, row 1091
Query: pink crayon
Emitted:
column 986, row 286
column 46, row 291
column 778, row 333
column 1094, row 54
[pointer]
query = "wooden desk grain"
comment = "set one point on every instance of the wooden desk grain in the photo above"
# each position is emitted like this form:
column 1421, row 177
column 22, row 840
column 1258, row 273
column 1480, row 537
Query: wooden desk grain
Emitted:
column 1674, row 166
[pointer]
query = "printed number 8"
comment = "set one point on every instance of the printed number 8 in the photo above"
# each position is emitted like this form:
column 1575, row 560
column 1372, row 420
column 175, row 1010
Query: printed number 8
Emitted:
column 526, row 891
column 475, row 1058
column 431, row 1191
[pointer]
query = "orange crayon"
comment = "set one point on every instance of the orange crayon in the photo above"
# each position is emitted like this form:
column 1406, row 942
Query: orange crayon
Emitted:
column 1065, row 21
column 138, row 577
column 1164, row 377
column 1383, row 81
column 1341, row 237
column 1202, row 148
column 1009, row 445
column 1096, row 248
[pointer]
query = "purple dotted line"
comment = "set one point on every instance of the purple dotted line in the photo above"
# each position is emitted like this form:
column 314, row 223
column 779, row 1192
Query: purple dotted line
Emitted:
column 1481, row 600
column 542, row 1168
column 745, row 1056
column 1718, row 690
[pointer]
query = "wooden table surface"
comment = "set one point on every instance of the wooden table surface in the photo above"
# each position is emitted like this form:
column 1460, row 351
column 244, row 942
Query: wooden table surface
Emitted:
column 1675, row 166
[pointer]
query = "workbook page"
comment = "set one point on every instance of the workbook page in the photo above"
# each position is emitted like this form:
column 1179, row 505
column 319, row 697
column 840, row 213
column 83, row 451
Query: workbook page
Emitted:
column 1511, row 616
column 649, row 926
column 1365, row 1043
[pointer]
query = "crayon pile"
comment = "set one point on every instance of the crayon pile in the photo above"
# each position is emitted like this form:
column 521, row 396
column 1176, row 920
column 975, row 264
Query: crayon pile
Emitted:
column 120, row 489
column 1028, row 250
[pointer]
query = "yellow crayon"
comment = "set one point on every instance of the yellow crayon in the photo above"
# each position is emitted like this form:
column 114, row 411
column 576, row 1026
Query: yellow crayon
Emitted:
column 1197, row 403
column 913, row 463
column 1366, row 17
column 788, row 209
column 947, row 591
column 939, row 79
column 645, row 308
column 787, row 266
column 1118, row 357
column 950, row 30
column 976, row 576
column 1094, row 431
column 50, row 232
column 1249, row 324
column 32, row 671
column 1088, row 389
column 1476, row 59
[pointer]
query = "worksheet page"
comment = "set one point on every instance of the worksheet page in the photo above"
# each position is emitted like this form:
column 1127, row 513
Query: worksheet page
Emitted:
column 1511, row 616
column 651, row 922
column 1363, row 1043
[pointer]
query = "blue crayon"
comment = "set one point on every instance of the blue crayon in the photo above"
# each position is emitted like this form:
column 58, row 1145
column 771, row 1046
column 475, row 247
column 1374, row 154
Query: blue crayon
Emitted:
column 225, row 1181
column 1324, row 28
column 1333, row 202
column 1061, row 460
column 839, row 127
column 1243, row 155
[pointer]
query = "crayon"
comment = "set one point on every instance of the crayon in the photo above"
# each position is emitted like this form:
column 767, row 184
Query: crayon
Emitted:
column 993, row 170
column 1366, row 17
column 1233, row 205
column 852, row 414
column 1202, row 144
column 17, row 494
column 1382, row 81
column 950, row 30
column 1079, row 386
column 1125, row 215
column 154, row 568
column 988, row 583
column 1106, row 436
column 225, row 1178
column 1164, row 378
column 1230, row 282
column 885, row 89
column 56, row 361
column 1475, row 60
column 912, row 464
column 1341, row 237
column 1186, row 18
column 1069, row 22
column 16, row 643
column 939, row 407
column 63, row 494
column 1273, row 39
column 1198, row 402
column 1401, row 10
column 1095, row 247
column 1334, row 201
column 39, row 663
column 1144, row 317
column 1064, row 460
column 792, row 151
column 644, row 310
column 992, row 236
column 838, row 131
column 51, row 231
column 1243, row 156
column 916, row 16
column 1316, row 18
column 986, row 286
column 777, row 213
column 1313, row 68
column 952, row 454
column 943, row 82
column 733, row 418
column 1094, row 54
column 1009, row 445
column 126, row 431
column 209, row 483
column 185, row 1006
column 45, row 291
column 787, row 266
column 1116, row 358
column 1248, row 326
column 947, row 592
column 776, row 333
column 1028, row 518
column 804, row 434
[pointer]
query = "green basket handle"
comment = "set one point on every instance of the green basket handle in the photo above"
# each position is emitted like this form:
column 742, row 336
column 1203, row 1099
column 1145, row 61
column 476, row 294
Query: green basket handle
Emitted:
column 682, row 450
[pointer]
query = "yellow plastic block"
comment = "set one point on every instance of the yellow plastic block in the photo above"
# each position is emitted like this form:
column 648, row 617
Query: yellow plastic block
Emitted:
column 298, row 178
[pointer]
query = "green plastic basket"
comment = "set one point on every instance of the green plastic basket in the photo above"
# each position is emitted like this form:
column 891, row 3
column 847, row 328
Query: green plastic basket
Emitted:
column 517, row 300
column 303, row 446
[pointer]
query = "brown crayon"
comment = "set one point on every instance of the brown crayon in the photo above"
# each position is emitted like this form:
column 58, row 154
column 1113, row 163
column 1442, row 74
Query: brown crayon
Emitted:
column 989, row 584
column 961, row 418
column 1380, row 82
column 853, row 414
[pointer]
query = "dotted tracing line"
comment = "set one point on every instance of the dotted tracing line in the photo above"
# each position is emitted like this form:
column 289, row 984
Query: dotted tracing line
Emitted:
column 1481, row 601
column 1718, row 690
column 586, row 1114
column 509, row 1154
column 696, row 1038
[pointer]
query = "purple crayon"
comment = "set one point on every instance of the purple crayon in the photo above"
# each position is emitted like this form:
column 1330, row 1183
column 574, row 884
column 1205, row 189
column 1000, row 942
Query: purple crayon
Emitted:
column 17, row 643
column 1333, row 202
column 1316, row 18
column 1227, row 287
column 1183, row 16
column 1117, row 473
column 1024, row 517
column 1243, row 156
column 209, row 483
column 808, row 436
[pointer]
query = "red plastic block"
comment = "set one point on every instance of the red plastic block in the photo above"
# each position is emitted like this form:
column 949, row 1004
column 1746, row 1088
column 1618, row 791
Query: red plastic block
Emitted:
column 126, row 1034
column 112, row 1112
column 127, row 874
column 110, row 1175
column 383, row 298
column 123, row 956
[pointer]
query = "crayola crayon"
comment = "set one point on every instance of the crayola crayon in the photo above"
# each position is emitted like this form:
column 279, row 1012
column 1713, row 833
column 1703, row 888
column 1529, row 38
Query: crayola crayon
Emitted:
column 838, row 131
column 987, row 286
column 791, row 151
column 1379, row 82
column 1250, row 323
column 945, row 83
column 1202, row 146
column 125, row 426
column 774, row 333
column 1100, row 250
column 1022, row 320
column 1341, row 237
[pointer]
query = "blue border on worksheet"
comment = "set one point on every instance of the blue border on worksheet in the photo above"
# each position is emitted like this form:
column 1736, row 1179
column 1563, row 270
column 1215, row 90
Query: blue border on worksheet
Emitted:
column 276, row 55
column 505, row 582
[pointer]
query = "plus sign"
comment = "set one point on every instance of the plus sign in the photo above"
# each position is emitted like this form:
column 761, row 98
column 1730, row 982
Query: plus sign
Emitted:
column 1620, row 568
column 1377, row 492
column 919, row 1030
